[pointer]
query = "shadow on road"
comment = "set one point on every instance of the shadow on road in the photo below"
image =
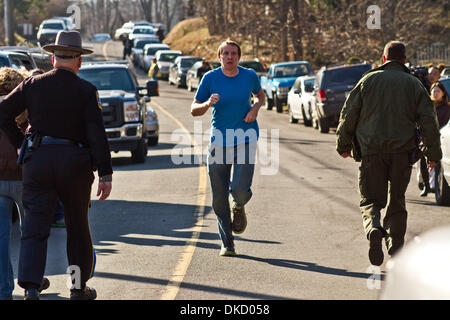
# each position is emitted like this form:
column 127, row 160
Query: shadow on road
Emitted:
column 309, row 266
column 190, row 286
column 153, row 162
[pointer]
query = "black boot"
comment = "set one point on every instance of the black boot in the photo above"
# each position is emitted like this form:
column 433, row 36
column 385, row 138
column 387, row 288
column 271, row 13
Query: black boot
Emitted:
column 83, row 294
column 31, row 294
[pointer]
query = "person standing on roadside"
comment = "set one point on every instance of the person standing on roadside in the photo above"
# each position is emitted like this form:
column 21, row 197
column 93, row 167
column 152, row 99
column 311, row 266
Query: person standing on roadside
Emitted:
column 153, row 70
column 378, row 123
column 127, row 45
column 10, row 188
column 160, row 33
column 433, row 75
column 67, row 141
column 234, row 133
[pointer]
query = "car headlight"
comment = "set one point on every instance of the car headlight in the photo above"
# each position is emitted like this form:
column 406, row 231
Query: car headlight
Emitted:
column 283, row 90
column 131, row 111
column 152, row 116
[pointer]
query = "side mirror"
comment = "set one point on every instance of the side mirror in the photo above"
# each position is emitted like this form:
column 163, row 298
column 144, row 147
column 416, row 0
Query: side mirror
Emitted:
column 152, row 88
column 296, row 91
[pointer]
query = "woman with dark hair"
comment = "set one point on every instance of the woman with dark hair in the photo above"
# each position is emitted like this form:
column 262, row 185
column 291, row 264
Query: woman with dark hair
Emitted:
column 439, row 96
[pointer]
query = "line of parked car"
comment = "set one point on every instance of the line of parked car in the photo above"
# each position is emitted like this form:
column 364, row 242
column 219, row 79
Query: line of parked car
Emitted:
column 49, row 28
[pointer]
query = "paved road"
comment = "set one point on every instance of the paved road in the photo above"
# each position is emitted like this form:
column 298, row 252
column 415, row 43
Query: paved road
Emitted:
column 156, row 236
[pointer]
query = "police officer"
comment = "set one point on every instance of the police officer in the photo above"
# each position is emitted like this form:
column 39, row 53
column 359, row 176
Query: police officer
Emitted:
column 68, row 142
column 378, row 122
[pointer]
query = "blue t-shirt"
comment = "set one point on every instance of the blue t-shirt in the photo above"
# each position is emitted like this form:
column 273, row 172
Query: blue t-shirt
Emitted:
column 228, row 127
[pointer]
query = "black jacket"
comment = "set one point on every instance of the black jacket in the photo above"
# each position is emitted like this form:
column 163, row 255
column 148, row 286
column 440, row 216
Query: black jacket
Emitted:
column 62, row 105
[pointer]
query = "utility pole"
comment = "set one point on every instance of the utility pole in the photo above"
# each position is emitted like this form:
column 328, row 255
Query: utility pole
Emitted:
column 9, row 32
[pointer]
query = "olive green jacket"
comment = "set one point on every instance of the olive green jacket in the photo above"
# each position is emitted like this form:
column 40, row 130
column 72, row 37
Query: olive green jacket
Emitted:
column 382, row 112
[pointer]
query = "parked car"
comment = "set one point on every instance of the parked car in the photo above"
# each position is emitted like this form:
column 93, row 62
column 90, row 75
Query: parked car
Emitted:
column 150, row 50
column 445, row 72
column 48, row 30
column 137, row 51
column 152, row 127
column 124, row 30
column 165, row 59
column 279, row 80
column 68, row 22
column 140, row 31
column 194, row 75
column 300, row 100
column 331, row 88
column 123, row 105
column 255, row 65
column 101, row 37
column 442, row 170
column 178, row 70
column 446, row 82
column 17, row 60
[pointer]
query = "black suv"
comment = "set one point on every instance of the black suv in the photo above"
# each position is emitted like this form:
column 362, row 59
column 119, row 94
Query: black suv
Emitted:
column 331, row 88
column 123, row 106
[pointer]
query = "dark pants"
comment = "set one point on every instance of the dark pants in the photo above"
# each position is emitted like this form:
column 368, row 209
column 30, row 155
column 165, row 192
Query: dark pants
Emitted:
column 56, row 172
column 383, row 177
column 424, row 172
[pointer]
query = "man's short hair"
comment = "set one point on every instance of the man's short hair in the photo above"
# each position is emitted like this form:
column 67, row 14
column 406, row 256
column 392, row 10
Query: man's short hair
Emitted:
column 395, row 50
column 228, row 42
column 66, row 55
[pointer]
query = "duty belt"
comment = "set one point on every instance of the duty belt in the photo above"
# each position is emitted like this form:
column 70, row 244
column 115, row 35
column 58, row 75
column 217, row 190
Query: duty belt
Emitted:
column 53, row 140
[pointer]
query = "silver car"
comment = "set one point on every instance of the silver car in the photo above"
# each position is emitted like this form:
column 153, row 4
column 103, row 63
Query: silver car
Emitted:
column 152, row 127
column 150, row 50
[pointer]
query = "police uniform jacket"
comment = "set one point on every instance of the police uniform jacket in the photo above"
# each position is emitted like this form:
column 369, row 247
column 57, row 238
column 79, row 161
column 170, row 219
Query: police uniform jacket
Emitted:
column 61, row 105
column 383, row 111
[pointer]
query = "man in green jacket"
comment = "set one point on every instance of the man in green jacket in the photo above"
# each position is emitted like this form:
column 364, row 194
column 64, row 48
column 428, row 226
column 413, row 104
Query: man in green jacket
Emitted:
column 377, row 126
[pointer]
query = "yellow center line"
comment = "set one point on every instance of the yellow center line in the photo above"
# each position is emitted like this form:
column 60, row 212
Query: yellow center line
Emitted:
column 183, row 263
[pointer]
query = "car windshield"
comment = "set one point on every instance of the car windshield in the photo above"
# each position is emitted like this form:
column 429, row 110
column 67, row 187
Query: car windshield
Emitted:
column 144, row 31
column 252, row 65
column 187, row 63
column 55, row 25
column 291, row 70
column 168, row 57
column 4, row 62
column 141, row 43
column 152, row 51
column 346, row 75
column 108, row 79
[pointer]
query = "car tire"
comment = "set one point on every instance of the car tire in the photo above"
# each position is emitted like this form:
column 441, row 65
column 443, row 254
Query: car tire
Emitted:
column 324, row 127
column 140, row 153
column 291, row 116
column 278, row 104
column 153, row 141
column 441, row 187
column 306, row 122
